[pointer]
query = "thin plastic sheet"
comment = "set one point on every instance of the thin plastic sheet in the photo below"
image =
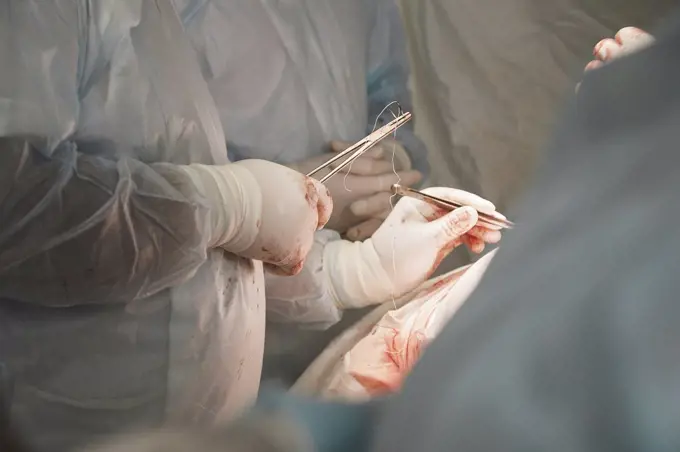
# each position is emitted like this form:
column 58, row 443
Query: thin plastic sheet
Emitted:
column 378, row 363
column 113, row 312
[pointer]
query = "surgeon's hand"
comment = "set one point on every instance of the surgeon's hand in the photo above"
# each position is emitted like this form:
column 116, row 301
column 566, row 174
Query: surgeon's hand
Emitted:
column 264, row 211
column 361, row 192
column 406, row 249
column 294, row 207
column 626, row 41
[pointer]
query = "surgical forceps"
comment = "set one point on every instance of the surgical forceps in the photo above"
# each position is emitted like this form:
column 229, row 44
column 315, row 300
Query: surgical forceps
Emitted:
column 360, row 147
column 492, row 220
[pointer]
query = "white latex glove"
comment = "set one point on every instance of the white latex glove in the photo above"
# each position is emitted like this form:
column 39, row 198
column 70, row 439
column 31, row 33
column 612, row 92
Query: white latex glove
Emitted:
column 263, row 211
column 375, row 208
column 626, row 41
column 367, row 182
column 406, row 249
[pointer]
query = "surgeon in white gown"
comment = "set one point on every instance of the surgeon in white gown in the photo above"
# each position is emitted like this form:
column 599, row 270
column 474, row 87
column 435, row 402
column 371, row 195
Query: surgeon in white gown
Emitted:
column 131, row 250
column 293, row 80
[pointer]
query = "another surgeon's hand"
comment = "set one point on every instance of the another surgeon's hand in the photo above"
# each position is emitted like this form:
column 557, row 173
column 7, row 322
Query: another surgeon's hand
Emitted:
column 361, row 192
column 264, row 211
column 626, row 41
column 406, row 249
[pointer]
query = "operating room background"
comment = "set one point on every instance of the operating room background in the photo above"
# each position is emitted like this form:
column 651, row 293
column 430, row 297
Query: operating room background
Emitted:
column 489, row 79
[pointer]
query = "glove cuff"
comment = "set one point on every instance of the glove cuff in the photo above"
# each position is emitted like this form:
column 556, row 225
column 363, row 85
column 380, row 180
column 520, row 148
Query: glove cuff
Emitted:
column 356, row 275
column 235, row 202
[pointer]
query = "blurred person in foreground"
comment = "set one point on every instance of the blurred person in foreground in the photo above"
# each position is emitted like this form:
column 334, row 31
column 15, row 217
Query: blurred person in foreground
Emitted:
column 570, row 341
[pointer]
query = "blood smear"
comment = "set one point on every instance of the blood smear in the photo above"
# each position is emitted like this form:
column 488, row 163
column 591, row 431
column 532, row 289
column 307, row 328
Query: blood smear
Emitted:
column 379, row 363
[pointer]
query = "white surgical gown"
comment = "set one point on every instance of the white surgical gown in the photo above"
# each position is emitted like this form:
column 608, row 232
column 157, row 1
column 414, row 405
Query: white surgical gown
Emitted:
column 113, row 313
column 290, row 76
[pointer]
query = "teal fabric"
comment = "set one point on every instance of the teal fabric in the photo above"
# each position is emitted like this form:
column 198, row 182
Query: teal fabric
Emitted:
column 570, row 342
column 334, row 427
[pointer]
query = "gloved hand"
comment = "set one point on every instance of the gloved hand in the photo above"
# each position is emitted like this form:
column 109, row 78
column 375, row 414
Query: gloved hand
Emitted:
column 626, row 41
column 263, row 211
column 406, row 249
column 361, row 192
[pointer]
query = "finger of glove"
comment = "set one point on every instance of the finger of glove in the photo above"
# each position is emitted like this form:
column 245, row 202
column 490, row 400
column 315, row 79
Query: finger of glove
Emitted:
column 369, row 185
column 487, row 235
column 607, row 50
column 396, row 153
column 595, row 64
column 627, row 34
column 453, row 225
column 490, row 225
column 363, row 230
column 319, row 198
column 366, row 166
column 633, row 39
column 376, row 153
column 474, row 244
column 362, row 166
column 284, row 270
column 382, row 216
column 462, row 197
column 369, row 163
column 371, row 205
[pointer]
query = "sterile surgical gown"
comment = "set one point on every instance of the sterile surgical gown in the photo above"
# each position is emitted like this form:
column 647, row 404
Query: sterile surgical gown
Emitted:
column 113, row 312
column 288, row 78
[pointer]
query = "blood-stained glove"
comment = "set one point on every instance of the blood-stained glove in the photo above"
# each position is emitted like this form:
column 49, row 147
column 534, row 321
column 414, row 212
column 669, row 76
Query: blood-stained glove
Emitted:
column 361, row 192
column 626, row 41
column 263, row 211
column 406, row 249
